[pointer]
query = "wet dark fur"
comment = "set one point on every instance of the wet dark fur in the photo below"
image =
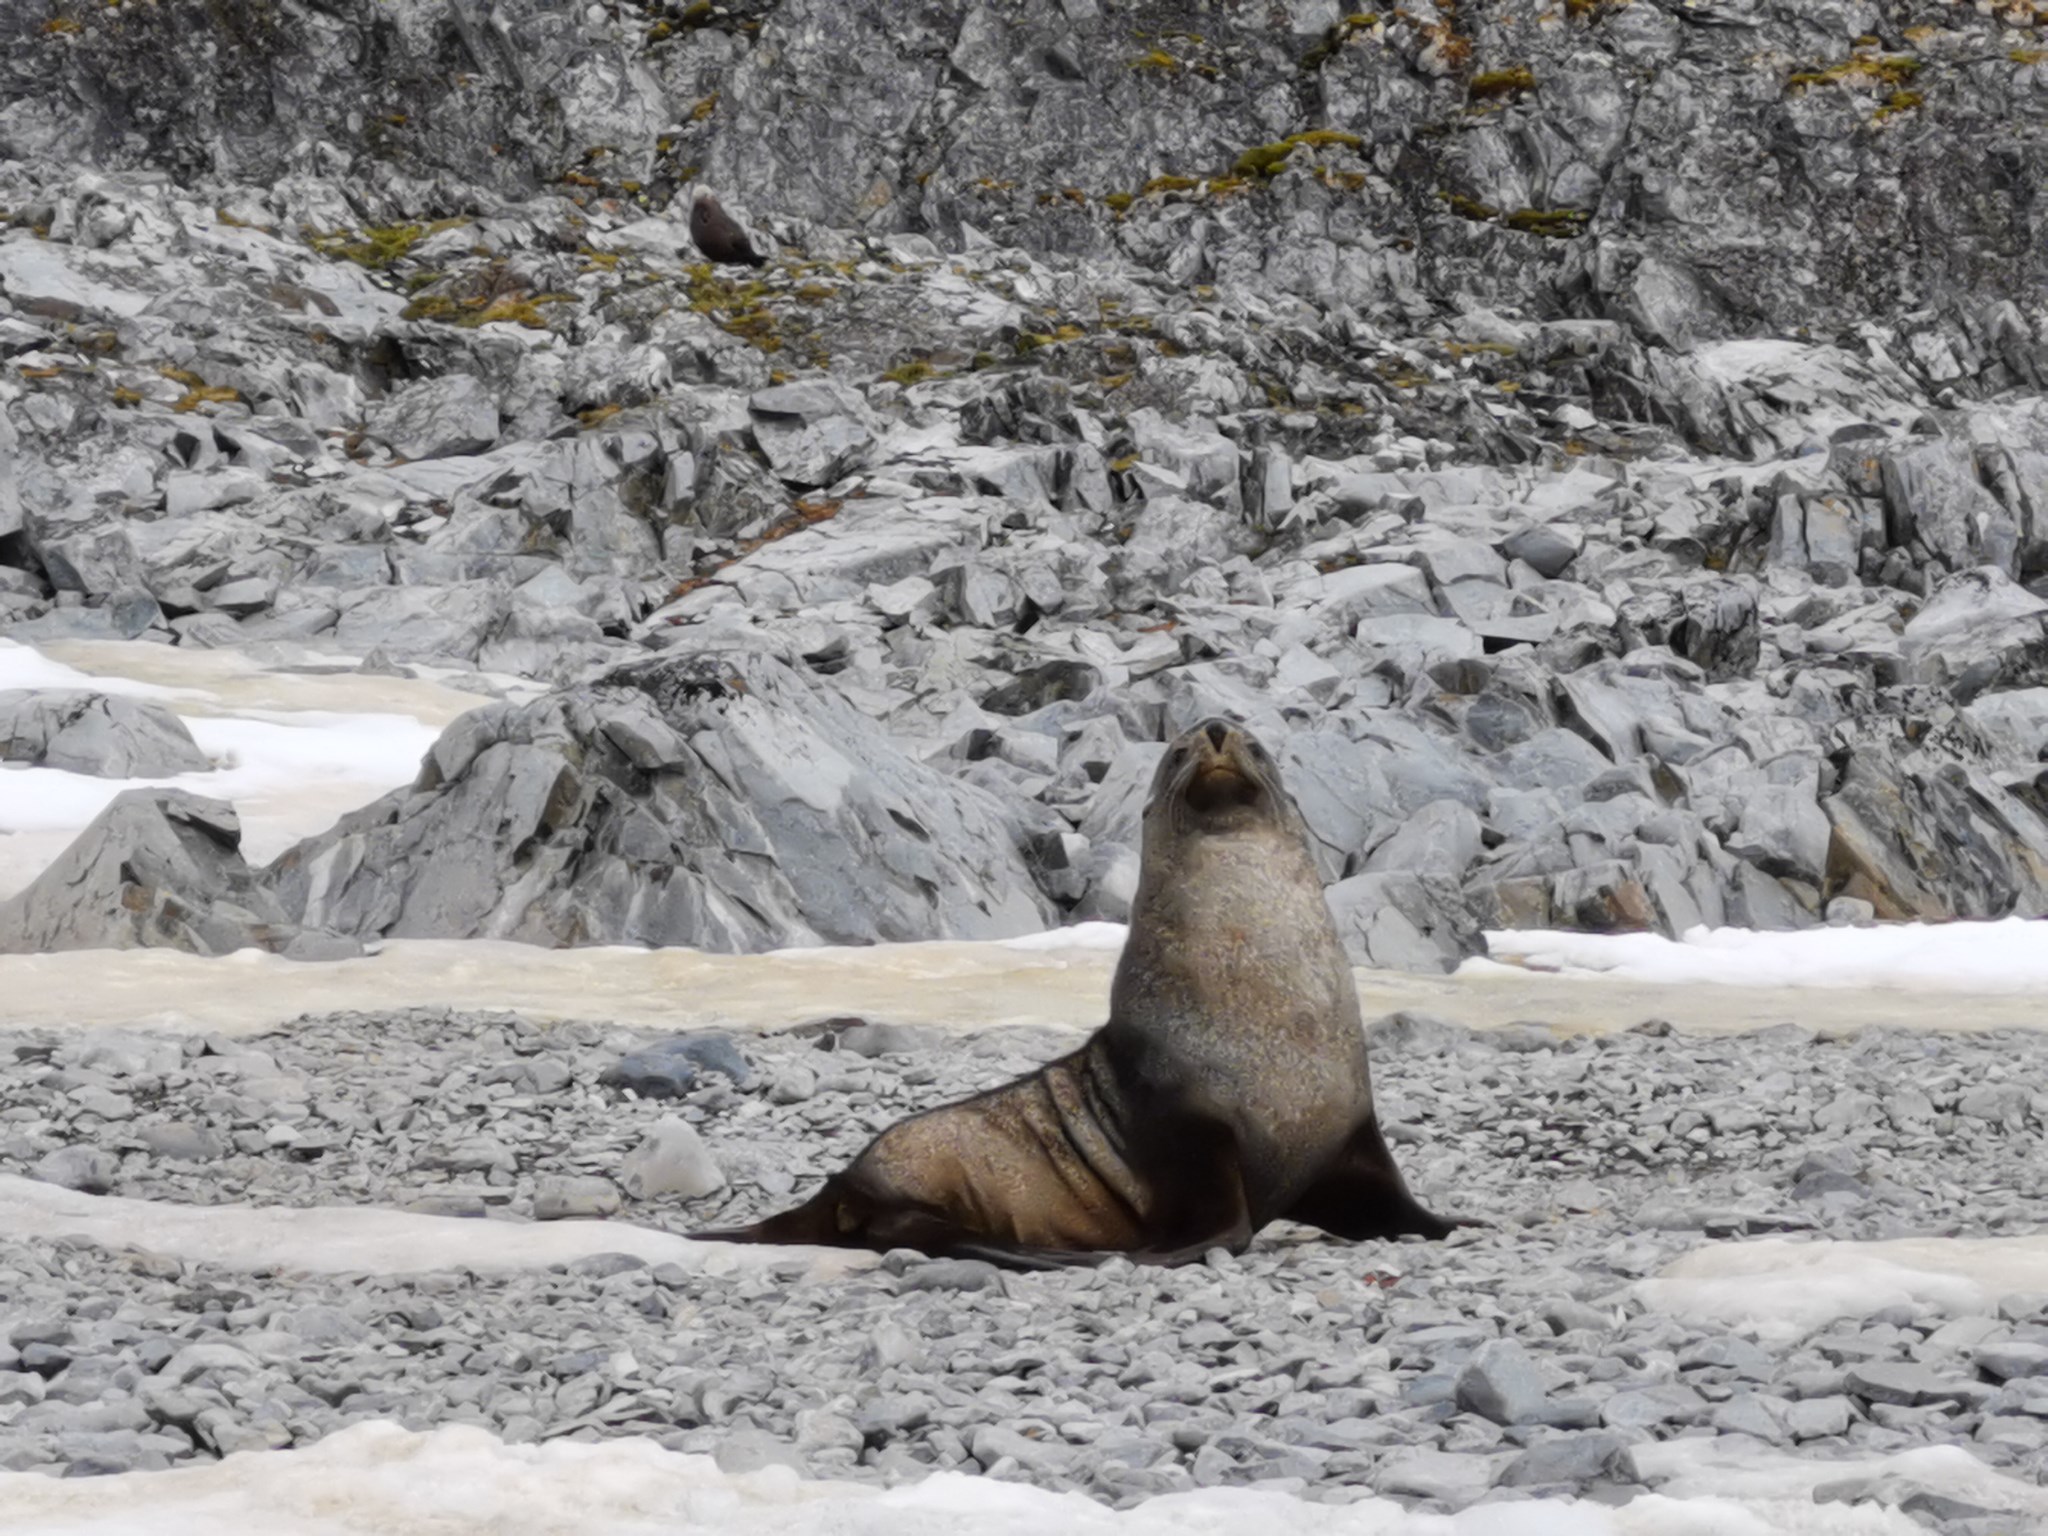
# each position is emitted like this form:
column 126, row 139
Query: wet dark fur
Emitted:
column 715, row 233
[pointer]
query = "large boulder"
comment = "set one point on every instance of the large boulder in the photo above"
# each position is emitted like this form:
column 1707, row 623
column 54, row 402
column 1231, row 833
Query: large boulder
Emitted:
column 158, row 869
column 1981, row 631
column 1921, row 838
column 721, row 801
column 97, row 733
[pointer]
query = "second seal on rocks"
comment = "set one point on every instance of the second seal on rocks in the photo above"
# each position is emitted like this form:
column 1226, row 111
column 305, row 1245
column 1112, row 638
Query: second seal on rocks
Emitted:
column 718, row 235
column 1229, row 1087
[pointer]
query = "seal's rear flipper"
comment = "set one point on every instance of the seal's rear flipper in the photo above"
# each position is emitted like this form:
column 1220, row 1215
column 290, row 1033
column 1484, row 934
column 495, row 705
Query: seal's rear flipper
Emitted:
column 1361, row 1194
column 814, row 1222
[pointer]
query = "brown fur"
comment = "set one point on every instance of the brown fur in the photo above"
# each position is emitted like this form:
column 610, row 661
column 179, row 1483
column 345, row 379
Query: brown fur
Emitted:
column 1228, row 1088
column 718, row 235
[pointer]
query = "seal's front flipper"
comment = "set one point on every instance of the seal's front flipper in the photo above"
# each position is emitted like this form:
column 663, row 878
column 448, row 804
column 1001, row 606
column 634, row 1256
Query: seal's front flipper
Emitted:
column 1361, row 1194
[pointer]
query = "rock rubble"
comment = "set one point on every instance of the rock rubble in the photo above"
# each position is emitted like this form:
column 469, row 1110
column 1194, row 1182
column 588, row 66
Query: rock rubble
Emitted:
column 1512, row 1362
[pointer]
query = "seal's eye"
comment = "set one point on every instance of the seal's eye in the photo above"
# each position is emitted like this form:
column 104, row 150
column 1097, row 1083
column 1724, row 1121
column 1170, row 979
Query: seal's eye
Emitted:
column 1257, row 751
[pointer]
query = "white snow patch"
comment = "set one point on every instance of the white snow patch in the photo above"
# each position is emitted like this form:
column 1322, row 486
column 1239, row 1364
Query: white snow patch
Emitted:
column 1736, row 1467
column 289, row 767
column 23, row 666
column 337, row 1239
column 376, row 1479
column 287, row 777
column 2009, row 955
column 1784, row 1288
column 1107, row 938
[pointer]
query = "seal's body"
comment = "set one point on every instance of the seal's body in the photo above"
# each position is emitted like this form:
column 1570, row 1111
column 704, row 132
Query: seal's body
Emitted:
column 718, row 235
column 1228, row 1088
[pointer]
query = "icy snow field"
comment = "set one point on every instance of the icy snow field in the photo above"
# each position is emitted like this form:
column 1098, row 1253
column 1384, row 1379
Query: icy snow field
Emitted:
column 379, row 1480
column 294, row 750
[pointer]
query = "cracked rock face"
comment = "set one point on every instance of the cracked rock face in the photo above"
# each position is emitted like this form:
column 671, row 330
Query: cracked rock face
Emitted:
column 1599, row 447
column 717, row 803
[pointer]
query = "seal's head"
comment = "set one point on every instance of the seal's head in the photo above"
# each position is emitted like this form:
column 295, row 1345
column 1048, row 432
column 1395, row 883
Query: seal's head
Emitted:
column 1215, row 778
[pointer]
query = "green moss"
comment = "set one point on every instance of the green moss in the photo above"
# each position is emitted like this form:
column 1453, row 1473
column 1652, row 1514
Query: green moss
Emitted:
column 1158, row 59
column 1263, row 159
column 1119, row 201
column 516, row 309
column 379, row 248
column 916, row 371
column 1897, row 102
column 1553, row 223
column 1266, row 159
column 1169, row 184
column 1469, row 207
column 1861, row 69
column 1501, row 82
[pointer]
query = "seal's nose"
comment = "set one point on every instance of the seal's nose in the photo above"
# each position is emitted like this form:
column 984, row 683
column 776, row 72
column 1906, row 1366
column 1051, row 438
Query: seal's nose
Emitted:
column 1218, row 731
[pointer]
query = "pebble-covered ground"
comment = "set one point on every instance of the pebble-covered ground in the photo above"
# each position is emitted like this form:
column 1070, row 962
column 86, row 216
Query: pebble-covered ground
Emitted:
column 1507, row 1362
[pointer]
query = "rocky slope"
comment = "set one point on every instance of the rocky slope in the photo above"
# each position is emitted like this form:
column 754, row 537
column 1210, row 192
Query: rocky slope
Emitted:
column 1600, row 446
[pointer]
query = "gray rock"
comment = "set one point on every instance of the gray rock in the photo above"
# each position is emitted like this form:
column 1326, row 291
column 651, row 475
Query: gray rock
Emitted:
column 159, row 868
column 1404, row 921
column 2012, row 1358
column 1561, row 1459
column 1879, row 1381
column 103, row 734
column 435, row 418
column 1647, row 1407
column 81, row 1168
column 563, row 838
column 1457, row 1480
column 1817, row 1418
column 558, row 1197
column 671, row 1160
column 1979, row 631
column 812, row 432
column 1502, row 1383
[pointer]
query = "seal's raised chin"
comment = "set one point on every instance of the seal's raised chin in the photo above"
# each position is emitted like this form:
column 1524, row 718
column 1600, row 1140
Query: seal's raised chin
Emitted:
column 1220, row 785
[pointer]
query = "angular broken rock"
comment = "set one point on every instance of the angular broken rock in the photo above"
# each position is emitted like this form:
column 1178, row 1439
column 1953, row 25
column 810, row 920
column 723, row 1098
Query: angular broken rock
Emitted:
column 102, row 734
column 437, row 418
column 672, row 1160
column 703, row 800
column 157, row 869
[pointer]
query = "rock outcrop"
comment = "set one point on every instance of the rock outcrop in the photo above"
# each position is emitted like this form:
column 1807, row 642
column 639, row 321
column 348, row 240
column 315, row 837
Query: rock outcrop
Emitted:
column 720, row 801
column 101, row 734
column 1601, row 446
column 158, row 869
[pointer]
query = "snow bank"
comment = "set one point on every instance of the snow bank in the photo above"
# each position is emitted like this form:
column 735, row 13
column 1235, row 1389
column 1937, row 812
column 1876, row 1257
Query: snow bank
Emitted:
column 289, row 766
column 376, row 1479
column 2010, row 955
column 1782, row 1288
column 1741, row 1469
column 336, row 1239
column 23, row 666
column 1105, row 937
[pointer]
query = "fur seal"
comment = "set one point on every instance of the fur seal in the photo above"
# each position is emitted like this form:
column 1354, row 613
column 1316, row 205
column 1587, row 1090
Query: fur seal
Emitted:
column 718, row 235
column 1228, row 1088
